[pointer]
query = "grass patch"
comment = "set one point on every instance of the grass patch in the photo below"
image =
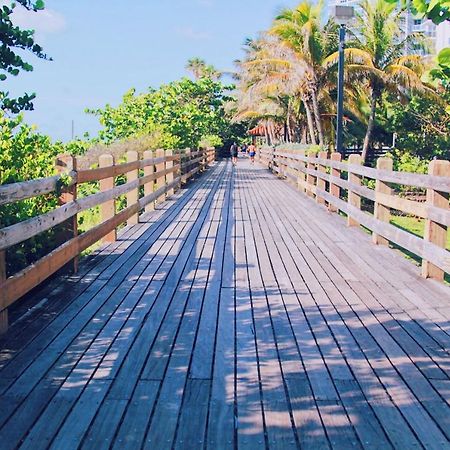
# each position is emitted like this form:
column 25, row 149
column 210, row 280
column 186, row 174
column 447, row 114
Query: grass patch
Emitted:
column 417, row 227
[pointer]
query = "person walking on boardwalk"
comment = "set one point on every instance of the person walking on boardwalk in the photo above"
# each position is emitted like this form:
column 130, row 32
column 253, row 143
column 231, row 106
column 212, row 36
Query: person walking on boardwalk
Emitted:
column 252, row 152
column 234, row 153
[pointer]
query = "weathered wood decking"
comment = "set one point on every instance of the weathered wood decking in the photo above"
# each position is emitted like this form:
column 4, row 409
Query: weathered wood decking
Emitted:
column 239, row 315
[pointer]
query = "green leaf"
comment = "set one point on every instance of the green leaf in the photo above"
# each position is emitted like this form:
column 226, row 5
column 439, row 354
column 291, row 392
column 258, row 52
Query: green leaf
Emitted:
column 39, row 5
column 443, row 57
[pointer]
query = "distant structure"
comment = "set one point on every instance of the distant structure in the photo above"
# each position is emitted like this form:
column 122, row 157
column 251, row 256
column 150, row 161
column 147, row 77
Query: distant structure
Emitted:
column 438, row 36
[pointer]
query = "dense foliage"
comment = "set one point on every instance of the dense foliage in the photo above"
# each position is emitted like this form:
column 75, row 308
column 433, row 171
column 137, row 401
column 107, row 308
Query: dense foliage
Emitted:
column 13, row 43
column 25, row 155
column 182, row 114
column 288, row 82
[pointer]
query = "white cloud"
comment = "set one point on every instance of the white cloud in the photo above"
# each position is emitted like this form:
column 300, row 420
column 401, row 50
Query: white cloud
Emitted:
column 194, row 35
column 43, row 22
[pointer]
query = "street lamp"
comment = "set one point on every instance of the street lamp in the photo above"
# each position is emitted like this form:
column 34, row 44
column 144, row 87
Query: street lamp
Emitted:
column 342, row 14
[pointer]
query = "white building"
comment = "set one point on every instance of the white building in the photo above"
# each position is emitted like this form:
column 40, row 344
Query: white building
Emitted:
column 438, row 36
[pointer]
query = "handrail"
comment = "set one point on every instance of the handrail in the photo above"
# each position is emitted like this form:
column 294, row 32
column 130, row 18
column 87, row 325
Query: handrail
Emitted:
column 320, row 177
column 162, row 175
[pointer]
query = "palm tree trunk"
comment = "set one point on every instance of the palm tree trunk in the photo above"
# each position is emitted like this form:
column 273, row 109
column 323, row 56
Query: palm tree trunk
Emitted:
column 312, row 131
column 370, row 125
column 304, row 137
column 316, row 110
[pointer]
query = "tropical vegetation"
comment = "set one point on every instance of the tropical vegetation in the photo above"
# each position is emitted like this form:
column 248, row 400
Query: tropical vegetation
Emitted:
column 287, row 82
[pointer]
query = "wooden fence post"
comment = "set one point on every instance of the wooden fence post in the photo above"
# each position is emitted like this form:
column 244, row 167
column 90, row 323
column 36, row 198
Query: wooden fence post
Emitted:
column 169, row 176
column 149, row 187
column 435, row 232
column 161, row 180
column 133, row 196
column 353, row 198
column 301, row 177
column 69, row 229
column 321, row 183
column 107, row 209
column 4, row 312
column 310, row 179
column 178, row 173
column 335, row 190
column 382, row 212
column 187, row 159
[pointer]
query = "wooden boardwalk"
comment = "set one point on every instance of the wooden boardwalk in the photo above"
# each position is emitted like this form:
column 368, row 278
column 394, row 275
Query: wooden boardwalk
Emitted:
column 240, row 314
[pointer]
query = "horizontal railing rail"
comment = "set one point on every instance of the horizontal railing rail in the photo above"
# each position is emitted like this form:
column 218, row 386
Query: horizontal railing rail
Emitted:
column 321, row 177
column 148, row 182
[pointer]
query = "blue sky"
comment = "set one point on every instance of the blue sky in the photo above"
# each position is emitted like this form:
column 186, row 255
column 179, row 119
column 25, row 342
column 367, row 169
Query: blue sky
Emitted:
column 102, row 48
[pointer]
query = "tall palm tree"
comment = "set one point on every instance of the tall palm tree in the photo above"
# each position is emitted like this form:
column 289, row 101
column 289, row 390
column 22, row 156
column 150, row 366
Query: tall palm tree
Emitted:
column 382, row 57
column 271, row 77
column 302, row 31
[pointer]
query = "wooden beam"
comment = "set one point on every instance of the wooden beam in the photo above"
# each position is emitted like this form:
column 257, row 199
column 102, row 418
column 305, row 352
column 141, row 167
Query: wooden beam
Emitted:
column 14, row 192
column 133, row 195
column 301, row 179
column 353, row 198
column 150, row 186
column 161, row 180
column 382, row 212
column 436, row 232
column 107, row 209
column 321, row 183
column 311, row 179
column 69, row 228
column 4, row 312
column 169, row 167
column 335, row 190
column 440, row 257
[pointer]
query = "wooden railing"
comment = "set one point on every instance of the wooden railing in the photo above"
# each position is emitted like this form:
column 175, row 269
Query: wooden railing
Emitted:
column 148, row 182
column 340, row 186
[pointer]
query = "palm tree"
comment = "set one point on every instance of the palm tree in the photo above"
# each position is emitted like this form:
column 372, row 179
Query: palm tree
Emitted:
column 270, row 80
column 302, row 31
column 200, row 69
column 377, row 58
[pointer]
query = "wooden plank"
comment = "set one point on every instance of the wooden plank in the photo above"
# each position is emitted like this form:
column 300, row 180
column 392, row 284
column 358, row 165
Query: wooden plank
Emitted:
column 221, row 419
column 250, row 419
column 381, row 212
column 3, row 313
column 170, row 168
column 18, row 285
column 69, row 228
column 417, row 391
column 435, row 232
column 353, row 199
column 334, row 188
column 107, row 209
column 172, row 394
column 203, row 354
column 133, row 195
column 193, row 415
column 42, row 421
column 436, row 255
column 150, row 186
column 320, row 181
column 15, row 192
column 131, row 433
column 161, row 180
column 438, row 183
column 386, row 419
column 85, row 176
column 140, row 247
column 322, row 385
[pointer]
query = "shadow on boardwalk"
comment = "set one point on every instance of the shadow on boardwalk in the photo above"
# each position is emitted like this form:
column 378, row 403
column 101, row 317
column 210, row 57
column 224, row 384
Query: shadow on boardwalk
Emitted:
column 239, row 315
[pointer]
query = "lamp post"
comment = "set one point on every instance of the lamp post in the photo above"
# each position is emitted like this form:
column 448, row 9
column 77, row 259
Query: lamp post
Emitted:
column 342, row 15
